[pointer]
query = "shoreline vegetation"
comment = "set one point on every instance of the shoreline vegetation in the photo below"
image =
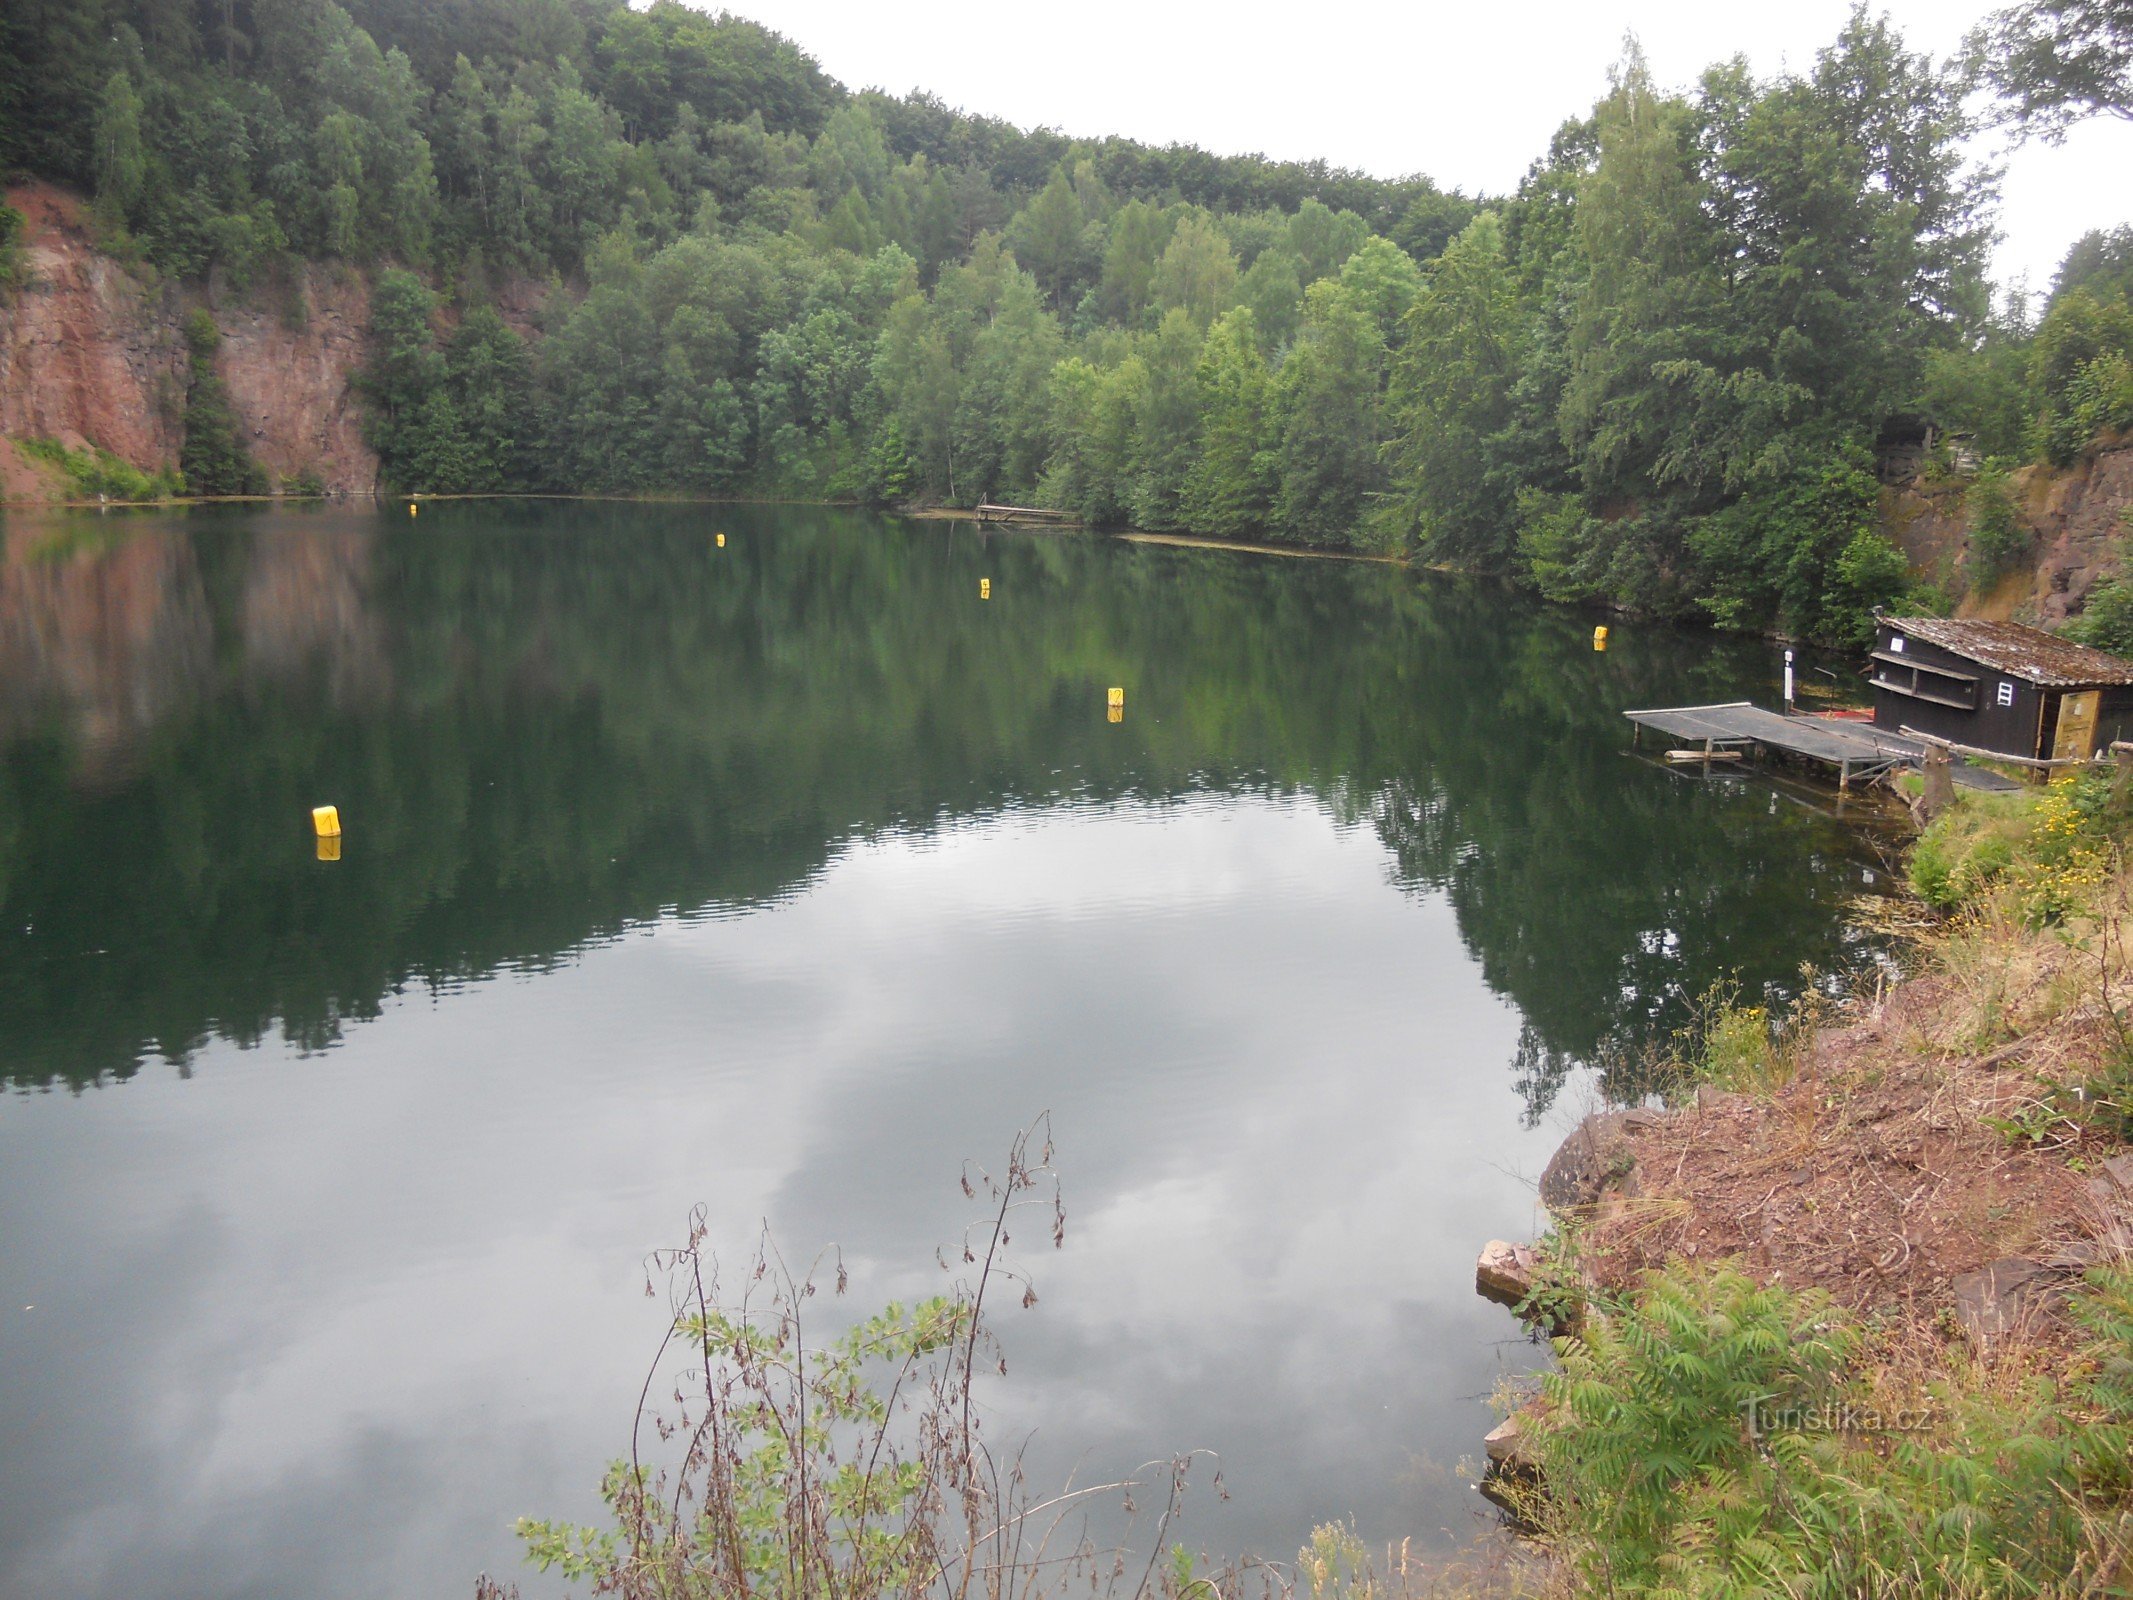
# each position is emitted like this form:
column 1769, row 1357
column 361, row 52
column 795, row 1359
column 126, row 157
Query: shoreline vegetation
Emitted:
column 1851, row 1311
column 619, row 251
column 1191, row 541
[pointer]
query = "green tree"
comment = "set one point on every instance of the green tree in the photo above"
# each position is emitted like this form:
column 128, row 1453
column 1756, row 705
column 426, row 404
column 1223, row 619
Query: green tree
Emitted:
column 1048, row 237
column 1273, row 288
column 604, row 369
column 2058, row 62
column 121, row 159
column 2081, row 344
column 489, row 374
column 1166, row 426
column 1003, row 418
column 1330, row 438
column 213, row 458
column 1806, row 555
column 1455, row 452
column 1999, row 540
column 1093, row 429
column 1322, row 239
column 1198, row 271
column 1230, row 487
column 404, row 371
column 914, row 370
column 1137, row 238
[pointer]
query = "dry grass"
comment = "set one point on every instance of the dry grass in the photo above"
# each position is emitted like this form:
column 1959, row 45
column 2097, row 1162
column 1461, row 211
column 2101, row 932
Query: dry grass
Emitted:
column 1941, row 1124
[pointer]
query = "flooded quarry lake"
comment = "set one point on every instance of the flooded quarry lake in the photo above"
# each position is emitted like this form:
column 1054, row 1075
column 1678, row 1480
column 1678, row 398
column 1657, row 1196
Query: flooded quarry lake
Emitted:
column 781, row 876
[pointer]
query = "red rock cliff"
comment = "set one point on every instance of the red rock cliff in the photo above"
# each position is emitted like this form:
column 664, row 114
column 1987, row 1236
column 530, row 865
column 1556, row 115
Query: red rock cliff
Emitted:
column 2076, row 516
column 89, row 355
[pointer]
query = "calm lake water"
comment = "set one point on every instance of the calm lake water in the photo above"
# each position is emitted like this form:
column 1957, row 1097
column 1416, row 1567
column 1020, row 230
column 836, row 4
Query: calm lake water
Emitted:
column 782, row 878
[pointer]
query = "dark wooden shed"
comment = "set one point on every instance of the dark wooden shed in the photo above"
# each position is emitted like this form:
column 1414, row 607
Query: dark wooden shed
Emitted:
column 2000, row 686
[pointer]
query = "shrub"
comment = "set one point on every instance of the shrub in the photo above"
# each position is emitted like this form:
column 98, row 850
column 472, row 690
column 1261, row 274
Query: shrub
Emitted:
column 1713, row 1437
column 853, row 1466
column 1999, row 540
column 13, row 266
column 1653, row 1415
column 2067, row 854
column 2106, row 621
column 2099, row 400
column 97, row 473
column 214, row 458
column 1969, row 848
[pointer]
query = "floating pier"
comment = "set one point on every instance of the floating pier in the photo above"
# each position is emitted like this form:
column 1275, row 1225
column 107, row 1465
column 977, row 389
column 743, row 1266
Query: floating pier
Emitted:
column 1859, row 751
column 992, row 513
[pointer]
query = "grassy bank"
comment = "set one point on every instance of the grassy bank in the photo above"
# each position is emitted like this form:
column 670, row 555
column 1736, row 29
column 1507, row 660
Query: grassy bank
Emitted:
column 1859, row 1309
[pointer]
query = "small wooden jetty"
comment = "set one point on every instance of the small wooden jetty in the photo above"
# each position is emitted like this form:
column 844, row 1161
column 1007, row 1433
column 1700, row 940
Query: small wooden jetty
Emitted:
column 991, row 513
column 1859, row 751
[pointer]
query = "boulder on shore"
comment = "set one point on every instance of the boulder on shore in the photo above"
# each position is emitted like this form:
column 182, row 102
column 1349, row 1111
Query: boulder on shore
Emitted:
column 1512, row 1480
column 1599, row 1157
column 1505, row 1272
column 1509, row 1445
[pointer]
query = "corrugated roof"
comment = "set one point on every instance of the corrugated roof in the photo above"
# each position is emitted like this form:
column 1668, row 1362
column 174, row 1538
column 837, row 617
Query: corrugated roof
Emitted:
column 2027, row 653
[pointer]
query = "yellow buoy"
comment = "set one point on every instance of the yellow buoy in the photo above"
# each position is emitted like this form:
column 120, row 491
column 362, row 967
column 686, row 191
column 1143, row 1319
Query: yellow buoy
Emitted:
column 1118, row 697
column 326, row 821
column 1599, row 638
column 412, row 508
column 330, row 849
column 984, row 588
column 722, row 541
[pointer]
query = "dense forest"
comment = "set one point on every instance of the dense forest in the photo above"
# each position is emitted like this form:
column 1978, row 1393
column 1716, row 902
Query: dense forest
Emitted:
column 622, row 250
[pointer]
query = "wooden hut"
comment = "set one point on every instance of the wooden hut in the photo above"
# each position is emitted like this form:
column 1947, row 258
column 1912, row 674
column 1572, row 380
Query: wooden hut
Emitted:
column 2000, row 686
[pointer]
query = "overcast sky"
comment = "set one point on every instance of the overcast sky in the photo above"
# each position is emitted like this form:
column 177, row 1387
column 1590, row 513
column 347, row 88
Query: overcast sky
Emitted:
column 1467, row 93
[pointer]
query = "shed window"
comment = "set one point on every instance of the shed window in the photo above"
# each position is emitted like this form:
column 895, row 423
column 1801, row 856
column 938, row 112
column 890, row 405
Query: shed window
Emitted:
column 1896, row 643
column 2006, row 695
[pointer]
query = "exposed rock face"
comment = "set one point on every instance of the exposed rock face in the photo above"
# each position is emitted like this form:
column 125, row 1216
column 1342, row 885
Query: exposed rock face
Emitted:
column 2080, row 514
column 87, row 355
column 2075, row 514
column 290, row 370
column 91, row 356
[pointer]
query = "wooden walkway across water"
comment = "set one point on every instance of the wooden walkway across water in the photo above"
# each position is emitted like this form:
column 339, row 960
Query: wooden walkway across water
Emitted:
column 1857, row 750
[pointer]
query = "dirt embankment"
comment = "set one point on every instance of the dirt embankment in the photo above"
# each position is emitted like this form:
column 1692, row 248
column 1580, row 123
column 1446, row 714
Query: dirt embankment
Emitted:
column 2076, row 516
column 1890, row 1173
column 93, row 356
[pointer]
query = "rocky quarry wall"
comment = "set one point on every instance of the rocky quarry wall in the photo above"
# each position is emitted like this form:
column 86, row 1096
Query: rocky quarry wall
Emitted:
column 93, row 355
column 2077, row 519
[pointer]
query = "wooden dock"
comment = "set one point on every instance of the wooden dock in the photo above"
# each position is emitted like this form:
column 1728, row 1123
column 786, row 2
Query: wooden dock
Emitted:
column 992, row 513
column 1856, row 750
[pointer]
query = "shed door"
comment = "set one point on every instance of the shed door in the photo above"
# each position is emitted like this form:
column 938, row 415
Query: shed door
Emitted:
column 2077, row 725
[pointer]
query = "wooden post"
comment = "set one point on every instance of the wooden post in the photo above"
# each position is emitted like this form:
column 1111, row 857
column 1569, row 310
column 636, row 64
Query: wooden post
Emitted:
column 1939, row 773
